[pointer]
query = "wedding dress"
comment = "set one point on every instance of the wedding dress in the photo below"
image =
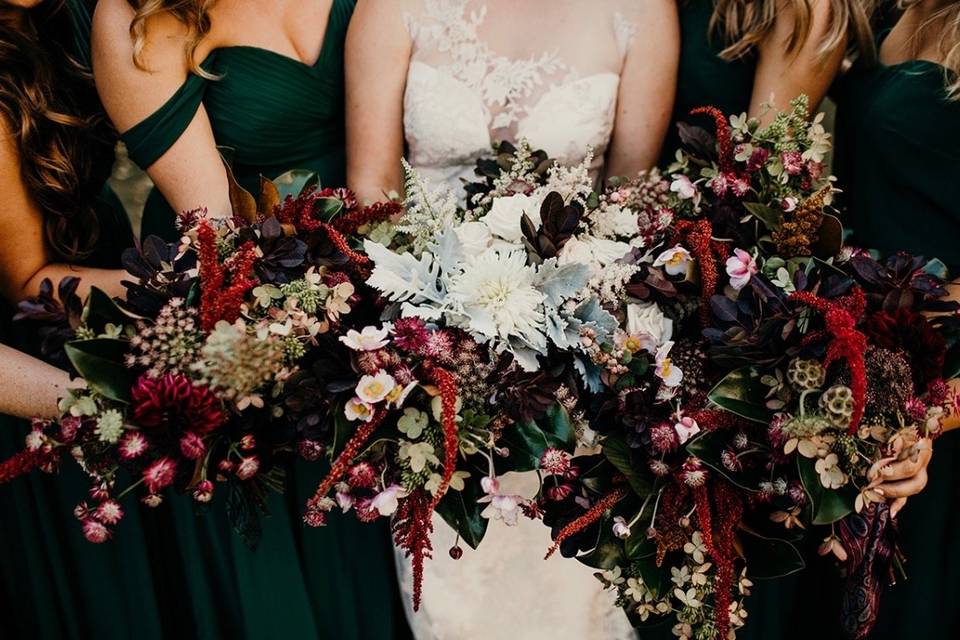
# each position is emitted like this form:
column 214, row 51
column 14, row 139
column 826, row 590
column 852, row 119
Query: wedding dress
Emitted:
column 482, row 72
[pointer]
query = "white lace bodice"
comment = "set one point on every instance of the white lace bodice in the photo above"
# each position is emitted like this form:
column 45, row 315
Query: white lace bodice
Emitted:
column 481, row 72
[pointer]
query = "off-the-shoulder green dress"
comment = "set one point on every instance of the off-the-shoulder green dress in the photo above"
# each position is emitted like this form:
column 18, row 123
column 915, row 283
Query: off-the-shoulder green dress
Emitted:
column 275, row 114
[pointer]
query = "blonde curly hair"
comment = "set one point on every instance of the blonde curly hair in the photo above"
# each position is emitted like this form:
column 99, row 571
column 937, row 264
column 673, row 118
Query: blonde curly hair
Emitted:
column 744, row 24
column 194, row 14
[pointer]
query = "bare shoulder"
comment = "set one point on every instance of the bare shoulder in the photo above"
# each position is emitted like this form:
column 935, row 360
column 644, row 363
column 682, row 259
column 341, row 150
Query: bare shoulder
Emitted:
column 131, row 90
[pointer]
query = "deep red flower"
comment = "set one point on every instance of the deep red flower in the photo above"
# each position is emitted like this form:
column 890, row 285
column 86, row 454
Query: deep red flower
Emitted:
column 410, row 334
column 172, row 403
column 908, row 331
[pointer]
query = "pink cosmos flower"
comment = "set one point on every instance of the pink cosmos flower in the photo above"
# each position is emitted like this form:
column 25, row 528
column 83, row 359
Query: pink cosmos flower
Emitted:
column 740, row 267
column 159, row 475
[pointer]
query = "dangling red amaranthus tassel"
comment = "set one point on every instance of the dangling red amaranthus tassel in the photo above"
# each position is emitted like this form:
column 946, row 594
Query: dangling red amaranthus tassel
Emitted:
column 846, row 342
column 724, row 140
column 376, row 212
column 343, row 246
column 18, row 465
column 451, row 447
column 698, row 235
column 220, row 300
column 346, row 457
column 412, row 527
column 592, row 515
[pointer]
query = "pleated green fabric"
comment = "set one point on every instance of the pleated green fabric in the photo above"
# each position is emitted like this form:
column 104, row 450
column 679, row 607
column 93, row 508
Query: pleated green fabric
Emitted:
column 274, row 114
column 704, row 78
column 898, row 159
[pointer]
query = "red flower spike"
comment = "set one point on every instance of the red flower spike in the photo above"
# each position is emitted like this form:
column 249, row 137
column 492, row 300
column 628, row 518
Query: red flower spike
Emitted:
column 412, row 527
column 595, row 513
column 702, row 501
column 846, row 342
column 358, row 259
column 18, row 465
column 724, row 140
column 345, row 459
column 448, row 399
column 222, row 286
column 376, row 212
column 698, row 235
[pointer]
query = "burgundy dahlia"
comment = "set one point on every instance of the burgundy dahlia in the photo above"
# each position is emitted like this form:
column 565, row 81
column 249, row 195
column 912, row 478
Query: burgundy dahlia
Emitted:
column 171, row 402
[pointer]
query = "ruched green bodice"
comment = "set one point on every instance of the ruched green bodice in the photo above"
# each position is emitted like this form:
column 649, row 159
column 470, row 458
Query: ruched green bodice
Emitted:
column 272, row 112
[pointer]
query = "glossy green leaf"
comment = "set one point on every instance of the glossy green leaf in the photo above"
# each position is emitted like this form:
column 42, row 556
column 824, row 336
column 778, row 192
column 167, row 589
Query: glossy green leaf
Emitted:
column 827, row 505
column 770, row 217
column 769, row 558
column 709, row 447
column 527, row 441
column 101, row 310
column 621, row 456
column 461, row 511
column 100, row 363
column 293, row 182
column 742, row 393
column 608, row 553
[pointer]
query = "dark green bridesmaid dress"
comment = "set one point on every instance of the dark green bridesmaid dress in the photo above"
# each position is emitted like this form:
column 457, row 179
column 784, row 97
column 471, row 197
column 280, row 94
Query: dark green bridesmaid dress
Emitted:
column 275, row 114
column 898, row 163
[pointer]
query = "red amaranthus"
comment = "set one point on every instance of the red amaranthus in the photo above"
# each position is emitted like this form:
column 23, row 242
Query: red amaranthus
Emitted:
column 346, row 457
column 592, row 515
column 22, row 463
column 698, row 236
column 845, row 341
column 724, row 139
column 412, row 527
column 222, row 286
column 448, row 398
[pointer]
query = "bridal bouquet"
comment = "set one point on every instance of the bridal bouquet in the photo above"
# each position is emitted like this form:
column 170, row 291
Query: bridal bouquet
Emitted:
column 194, row 381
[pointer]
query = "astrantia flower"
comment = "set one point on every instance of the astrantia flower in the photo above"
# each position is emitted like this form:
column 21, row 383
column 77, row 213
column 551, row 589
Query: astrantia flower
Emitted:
column 192, row 446
column 740, row 267
column 203, row 492
column 555, row 461
column 498, row 296
column 110, row 426
column 410, row 334
column 133, row 445
column 95, row 531
column 159, row 475
column 792, row 162
column 387, row 501
column 357, row 409
column 109, row 512
column 373, row 389
column 669, row 374
column 675, row 261
column 362, row 475
column 172, row 402
column 248, row 467
column 368, row 339
column 663, row 438
column 686, row 428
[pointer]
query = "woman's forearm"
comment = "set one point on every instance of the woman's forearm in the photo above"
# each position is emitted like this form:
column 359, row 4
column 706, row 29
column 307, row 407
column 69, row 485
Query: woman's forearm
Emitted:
column 30, row 387
column 107, row 280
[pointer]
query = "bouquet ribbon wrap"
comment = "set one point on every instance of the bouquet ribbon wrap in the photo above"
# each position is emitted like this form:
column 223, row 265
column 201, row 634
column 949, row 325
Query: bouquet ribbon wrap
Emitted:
column 870, row 540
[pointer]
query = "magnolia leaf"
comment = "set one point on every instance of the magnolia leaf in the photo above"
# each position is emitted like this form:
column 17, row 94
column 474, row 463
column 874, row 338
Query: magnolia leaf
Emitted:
column 293, row 183
column 100, row 363
column 770, row 217
column 527, row 441
column 269, row 197
column 328, row 208
column 770, row 558
column 244, row 205
column 101, row 310
column 829, row 237
column 827, row 505
column 608, row 553
column 742, row 393
column 461, row 511
column 621, row 456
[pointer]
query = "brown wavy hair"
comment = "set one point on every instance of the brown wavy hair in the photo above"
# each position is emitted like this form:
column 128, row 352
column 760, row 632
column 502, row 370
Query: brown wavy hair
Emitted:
column 945, row 22
column 49, row 103
column 744, row 24
column 194, row 14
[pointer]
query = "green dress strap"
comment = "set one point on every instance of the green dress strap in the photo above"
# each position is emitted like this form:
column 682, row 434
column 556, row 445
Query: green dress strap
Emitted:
column 149, row 139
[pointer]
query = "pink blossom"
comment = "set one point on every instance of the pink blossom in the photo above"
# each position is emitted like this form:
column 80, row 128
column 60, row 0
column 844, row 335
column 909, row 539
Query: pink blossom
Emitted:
column 160, row 474
column 789, row 204
column 248, row 467
column 95, row 532
column 109, row 512
column 133, row 445
column 345, row 499
column 362, row 475
column 248, row 442
column 69, row 426
column 740, row 267
column 152, row 500
column 620, row 528
column 719, row 184
column 686, row 428
column 792, row 162
column 203, row 491
column 683, row 187
column 663, row 438
column 555, row 461
column 665, row 370
column 192, row 446
column 387, row 501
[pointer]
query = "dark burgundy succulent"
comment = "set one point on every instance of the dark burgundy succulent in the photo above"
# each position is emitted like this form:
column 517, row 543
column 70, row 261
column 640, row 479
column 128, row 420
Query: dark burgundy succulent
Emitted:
column 558, row 222
column 53, row 318
column 161, row 273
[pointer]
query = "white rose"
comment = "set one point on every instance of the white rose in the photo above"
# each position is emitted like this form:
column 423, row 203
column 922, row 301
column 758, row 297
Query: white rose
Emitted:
column 503, row 220
column 646, row 318
column 575, row 251
column 596, row 252
column 474, row 237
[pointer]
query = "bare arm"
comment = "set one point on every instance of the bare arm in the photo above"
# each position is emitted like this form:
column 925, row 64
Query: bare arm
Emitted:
column 25, row 258
column 648, row 86
column 784, row 76
column 377, row 56
column 190, row 174
column 30, row 388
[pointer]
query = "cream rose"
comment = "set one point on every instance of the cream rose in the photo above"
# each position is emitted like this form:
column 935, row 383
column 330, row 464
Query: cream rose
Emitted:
column 503, row 220
column 646, row 318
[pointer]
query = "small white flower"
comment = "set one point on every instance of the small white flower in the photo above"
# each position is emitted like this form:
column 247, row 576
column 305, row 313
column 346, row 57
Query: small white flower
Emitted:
column 399, row 394
column 635, row 589
column 696, row 548
column 373, row 389
column 110, row 426
column 357, row 409
column 369, row 339
column 646, row 319
column 680, row 576
column 456, row 482
column 412, row 422
column 419, row 454
column 669, row 374
column 475, row 237
column 686, row 428
column 620, row 528
column 831, row 475
column 682, row 186
column 387, row 501
column 675, row 261
column 688, row 598
column 501, row 507
column 436, row 408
